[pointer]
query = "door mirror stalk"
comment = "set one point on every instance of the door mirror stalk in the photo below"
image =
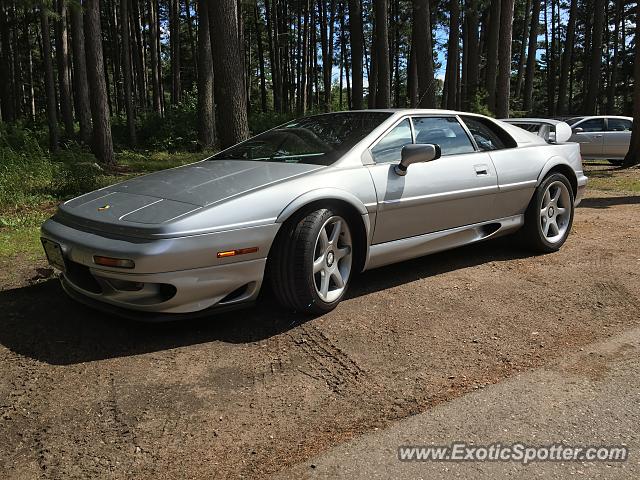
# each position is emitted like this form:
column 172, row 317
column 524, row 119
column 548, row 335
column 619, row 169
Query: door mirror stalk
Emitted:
column 417, row 153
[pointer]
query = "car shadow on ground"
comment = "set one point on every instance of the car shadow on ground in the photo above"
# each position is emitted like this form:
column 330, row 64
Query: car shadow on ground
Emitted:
column 41, row 322
column 606, row 202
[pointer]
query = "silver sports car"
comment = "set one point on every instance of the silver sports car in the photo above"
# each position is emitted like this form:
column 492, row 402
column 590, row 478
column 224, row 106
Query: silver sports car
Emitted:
column 308, row 204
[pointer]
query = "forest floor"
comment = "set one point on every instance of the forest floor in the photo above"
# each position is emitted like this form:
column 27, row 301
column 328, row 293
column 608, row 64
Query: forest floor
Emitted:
column 254, row 392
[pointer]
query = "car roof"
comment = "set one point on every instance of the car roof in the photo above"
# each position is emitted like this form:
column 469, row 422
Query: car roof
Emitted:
column 589, row 117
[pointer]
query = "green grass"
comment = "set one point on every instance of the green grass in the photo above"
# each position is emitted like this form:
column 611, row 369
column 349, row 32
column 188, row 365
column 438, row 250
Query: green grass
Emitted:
column 33, row 182
column 22, row 242
column 620, row 184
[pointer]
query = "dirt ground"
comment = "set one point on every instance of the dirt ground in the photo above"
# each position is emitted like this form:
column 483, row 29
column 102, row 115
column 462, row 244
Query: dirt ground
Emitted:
column 250, row 393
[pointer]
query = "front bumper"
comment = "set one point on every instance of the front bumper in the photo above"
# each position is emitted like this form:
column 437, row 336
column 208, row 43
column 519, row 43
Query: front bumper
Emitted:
column 171, row 276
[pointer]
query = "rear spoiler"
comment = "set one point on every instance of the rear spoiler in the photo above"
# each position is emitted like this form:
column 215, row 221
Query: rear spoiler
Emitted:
column 552, row 131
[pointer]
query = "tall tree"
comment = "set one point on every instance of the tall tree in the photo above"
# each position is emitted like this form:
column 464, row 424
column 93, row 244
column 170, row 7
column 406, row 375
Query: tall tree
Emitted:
column 126, row 68
column 450, row 92
column 523, row 49
column 383, row 90
column 102, row 144
column 261, row 63
column 503, row 87
column 206, row 114
column 567, row 58
column 356, row 36
column 633, row 155
column 80, row 86
column 613, row 77
column 593, row 81
column 491, row 70
column 227, row 66
column 472, row 52
column 552, row 54
column 423, row 48
column 6, row 85
column 62, row 57
column 49, row 86
column 174, row 28
column 531, row 57
column 154, row 53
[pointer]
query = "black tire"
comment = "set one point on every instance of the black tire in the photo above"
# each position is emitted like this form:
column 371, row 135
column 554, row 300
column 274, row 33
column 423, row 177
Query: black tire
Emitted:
column 532, row 232
column 617, row 163
column 291, row 264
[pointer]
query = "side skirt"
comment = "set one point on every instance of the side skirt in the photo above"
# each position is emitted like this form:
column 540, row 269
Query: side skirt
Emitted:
column 406, row 248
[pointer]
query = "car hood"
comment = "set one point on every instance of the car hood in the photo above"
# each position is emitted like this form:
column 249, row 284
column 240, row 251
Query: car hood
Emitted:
column 171, row 194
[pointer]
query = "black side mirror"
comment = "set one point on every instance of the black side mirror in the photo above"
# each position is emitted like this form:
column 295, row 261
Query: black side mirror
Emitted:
column 578, row 130
column 417, row 153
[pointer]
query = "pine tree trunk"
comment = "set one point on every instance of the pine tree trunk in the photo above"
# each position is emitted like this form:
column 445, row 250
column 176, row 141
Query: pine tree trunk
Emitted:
column 423, row 48
column 6, row 84
column 355, row 30
column 153, row 48
column 383, row 90
column 174, row 28
column 139, row 62
column 206, row 107
column 102, row 142
column 126, row 67
column 49, row 86
column 80, row 87
column 472, row 52
column 261, row 65
column 229, row 73
column 503, row 86
column 633, row 156
column 491, row 72
column 531, row 57
column 523, row 49
column 192, row 41
column 567, row 56
column 593, row 84
column 453, row 54
column 551, row 64
column 26, row 39
column 304, row 58
column 62, row 57
column 613, row 78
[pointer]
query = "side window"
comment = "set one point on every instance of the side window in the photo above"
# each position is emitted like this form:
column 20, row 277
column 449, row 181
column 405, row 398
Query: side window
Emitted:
column 390, row 147
column 619, row 125
column 485, row 137
column 592, row 125
column 444, row 131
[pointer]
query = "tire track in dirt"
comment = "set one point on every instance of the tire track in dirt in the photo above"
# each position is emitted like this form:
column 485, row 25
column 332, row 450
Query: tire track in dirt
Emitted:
column 327, row 362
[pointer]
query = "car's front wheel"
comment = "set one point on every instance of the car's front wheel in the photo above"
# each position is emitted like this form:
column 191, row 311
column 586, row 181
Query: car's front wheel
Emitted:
column 312, row 262
column 549, row 216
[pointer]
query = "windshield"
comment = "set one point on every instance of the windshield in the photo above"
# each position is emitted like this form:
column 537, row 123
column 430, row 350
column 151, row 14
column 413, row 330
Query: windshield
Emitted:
column 319, row 139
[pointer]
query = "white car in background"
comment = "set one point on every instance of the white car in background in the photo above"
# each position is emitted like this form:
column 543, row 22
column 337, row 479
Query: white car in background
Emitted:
column 602, row 137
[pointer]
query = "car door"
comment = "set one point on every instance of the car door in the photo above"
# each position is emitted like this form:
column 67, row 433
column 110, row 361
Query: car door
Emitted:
column 617, row 138
column 455, row 190
column 589, row 133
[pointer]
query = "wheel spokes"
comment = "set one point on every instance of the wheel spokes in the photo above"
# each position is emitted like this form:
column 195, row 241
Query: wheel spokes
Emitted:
column 335, row 233
column 337, row 278
column 318, row 263
column 324, row 284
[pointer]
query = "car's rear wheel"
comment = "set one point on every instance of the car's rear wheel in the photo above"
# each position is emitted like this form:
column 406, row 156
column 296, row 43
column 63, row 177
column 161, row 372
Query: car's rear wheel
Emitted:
column 549, row 217
column 312, row 262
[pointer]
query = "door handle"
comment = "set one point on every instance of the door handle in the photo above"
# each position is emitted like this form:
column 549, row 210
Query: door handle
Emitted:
column 481, row 170
column 597, row 136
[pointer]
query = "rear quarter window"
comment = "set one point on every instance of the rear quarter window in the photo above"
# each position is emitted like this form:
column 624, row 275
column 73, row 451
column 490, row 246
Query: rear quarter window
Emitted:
column 487, row 134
